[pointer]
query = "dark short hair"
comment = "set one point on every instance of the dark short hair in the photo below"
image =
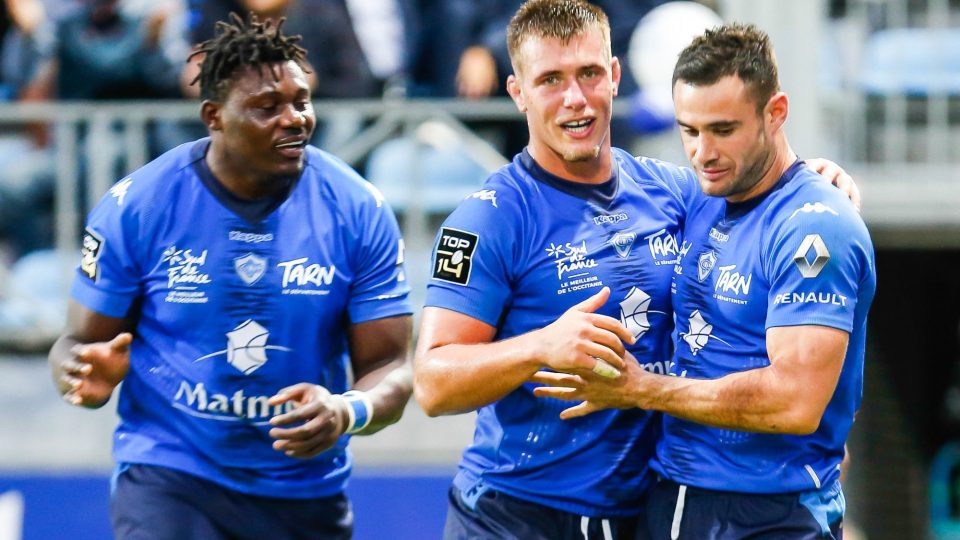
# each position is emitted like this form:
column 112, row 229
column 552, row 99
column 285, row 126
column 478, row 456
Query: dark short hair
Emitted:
column 239, row 44
column 559, row 19
column 735, row 49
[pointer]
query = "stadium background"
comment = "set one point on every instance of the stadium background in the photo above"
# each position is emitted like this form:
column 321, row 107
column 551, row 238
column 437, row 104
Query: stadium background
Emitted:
column 874, row 85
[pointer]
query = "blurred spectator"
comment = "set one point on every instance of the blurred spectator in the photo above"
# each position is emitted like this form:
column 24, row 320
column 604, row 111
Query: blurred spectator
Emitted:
column 475, row 31
column 100, row 51
column 19, row 19
column 356, row 48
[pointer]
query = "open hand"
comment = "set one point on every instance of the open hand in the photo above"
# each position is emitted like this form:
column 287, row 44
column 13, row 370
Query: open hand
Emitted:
column 93, row 370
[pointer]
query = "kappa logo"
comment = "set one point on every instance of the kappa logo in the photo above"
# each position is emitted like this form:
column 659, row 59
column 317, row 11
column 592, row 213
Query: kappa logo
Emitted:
column 719, row 236
column 817, row 207
column 634, row 310
column 623, row 243
column 90, row 250
column 610, row 218
column 250, row 238
column 250, row 268
column 812, row 246
column 699, row 333
column 705, row 264
column 247, row 347
column 453, row 256
column 485, row 195
column 119, row 190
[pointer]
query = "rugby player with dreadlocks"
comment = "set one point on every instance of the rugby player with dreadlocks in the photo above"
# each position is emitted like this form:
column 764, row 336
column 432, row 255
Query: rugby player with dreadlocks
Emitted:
column 232, row 284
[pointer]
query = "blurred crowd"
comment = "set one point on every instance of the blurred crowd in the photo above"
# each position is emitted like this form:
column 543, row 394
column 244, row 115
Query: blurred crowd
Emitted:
column 63, row 50
column 123, row 49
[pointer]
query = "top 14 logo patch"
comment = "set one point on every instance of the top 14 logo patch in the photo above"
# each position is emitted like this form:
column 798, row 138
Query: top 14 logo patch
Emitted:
column 453, row 256
column 90, row 251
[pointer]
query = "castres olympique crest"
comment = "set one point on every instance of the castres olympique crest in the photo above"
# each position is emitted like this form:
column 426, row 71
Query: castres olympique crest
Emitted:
column 250, row 268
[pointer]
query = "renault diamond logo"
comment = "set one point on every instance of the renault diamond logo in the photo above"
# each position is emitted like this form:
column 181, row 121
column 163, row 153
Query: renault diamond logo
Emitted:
column 813, row 246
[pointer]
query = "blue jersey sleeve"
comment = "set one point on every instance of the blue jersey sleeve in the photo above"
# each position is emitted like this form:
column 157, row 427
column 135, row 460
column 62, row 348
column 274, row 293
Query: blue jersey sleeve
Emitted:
column 680, row 181
column 816, row 260
column 472, row 256
column 107, row 280
column 380, row 288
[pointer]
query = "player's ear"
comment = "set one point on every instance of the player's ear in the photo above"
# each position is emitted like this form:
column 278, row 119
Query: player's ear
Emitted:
column 516, row 92
column 777, row 109
column 210, row 114
column 615, row 73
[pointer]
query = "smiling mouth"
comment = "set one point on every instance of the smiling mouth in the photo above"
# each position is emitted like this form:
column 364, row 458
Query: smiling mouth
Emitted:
column 578, row 126
column 292, row 144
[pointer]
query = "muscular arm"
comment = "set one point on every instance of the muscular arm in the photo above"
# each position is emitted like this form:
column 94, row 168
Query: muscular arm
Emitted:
column 788, row 396
column 89, row 360
column 458, row 369
column 380, row 355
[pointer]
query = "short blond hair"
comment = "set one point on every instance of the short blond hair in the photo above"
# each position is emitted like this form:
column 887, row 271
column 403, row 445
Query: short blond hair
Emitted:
column 559, row 19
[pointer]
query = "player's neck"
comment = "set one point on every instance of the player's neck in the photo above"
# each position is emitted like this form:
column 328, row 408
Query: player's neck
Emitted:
column 589, row 171
column 783, row 158
column 239, row 180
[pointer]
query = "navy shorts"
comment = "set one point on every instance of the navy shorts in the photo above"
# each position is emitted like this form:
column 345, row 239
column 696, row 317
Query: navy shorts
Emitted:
column 677, row 512
column 157, row 503
column 497, row 516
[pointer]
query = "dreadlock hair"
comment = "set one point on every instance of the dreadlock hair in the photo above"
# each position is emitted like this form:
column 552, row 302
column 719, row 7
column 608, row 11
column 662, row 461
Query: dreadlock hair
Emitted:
column 241, row 44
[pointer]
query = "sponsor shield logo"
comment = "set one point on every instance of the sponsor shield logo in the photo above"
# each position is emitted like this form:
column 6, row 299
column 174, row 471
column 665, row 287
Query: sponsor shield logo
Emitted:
column 250, row 268
column 453, row 256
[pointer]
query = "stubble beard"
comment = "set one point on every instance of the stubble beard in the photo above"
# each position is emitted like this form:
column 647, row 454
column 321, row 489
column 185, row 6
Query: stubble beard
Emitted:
column 581, row 156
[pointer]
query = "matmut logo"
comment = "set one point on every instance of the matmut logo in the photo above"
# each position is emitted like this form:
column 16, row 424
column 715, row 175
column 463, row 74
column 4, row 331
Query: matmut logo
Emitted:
column 298, row 274
column 197, row 400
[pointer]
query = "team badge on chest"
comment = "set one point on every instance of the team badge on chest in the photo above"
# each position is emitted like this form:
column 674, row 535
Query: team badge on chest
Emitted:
column 705, row 264
column 250, row 268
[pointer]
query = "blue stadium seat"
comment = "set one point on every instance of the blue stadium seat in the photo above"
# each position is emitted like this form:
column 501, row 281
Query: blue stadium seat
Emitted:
column 913, row 62
column 446, row 174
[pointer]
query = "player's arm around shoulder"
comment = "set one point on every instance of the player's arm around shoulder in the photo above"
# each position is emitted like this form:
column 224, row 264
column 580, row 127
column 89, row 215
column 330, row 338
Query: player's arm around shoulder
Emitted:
column 819, row 263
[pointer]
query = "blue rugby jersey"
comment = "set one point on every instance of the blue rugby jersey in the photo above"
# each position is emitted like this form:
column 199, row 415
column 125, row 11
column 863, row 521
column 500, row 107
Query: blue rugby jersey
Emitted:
column 516, row 255
column 230, row 311
column 799, row 255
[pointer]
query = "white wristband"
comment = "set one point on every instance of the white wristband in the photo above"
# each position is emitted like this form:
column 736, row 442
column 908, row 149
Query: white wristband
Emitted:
column 359, row 410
